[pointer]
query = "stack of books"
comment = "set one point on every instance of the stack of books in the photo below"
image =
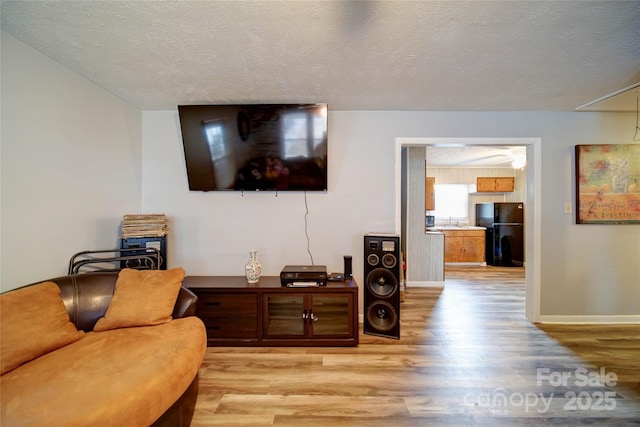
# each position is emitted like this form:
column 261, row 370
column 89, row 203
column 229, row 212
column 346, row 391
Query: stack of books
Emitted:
column 144, row 225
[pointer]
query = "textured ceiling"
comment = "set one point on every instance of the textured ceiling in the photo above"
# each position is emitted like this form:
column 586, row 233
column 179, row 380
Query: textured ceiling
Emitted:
column 354, row 55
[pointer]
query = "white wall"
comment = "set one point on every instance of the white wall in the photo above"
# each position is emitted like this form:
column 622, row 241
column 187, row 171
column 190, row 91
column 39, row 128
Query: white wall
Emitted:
column 71, row 157
column 212, row 233
column 586, row 269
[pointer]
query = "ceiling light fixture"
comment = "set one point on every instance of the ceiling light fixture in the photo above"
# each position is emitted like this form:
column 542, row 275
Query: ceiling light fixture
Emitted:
column 519, row 162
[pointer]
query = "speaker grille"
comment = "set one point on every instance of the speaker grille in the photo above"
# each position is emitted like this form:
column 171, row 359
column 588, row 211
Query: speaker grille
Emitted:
column 389, row 260
column 382, row 316
column 381, row 282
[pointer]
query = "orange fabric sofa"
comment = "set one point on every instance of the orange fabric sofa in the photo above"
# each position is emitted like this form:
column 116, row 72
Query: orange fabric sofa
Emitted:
column 107, row 349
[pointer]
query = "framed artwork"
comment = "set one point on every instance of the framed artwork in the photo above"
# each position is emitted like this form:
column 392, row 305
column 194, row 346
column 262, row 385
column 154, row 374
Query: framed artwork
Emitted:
column 608, row 184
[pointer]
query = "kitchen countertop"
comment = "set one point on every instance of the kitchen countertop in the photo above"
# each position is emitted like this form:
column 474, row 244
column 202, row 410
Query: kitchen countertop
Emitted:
column 454, row 227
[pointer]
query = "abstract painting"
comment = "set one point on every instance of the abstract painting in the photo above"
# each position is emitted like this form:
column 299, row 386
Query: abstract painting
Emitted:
column 608, row 184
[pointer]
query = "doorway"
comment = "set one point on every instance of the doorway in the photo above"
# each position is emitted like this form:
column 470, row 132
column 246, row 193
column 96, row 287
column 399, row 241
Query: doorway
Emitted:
column 532, row 203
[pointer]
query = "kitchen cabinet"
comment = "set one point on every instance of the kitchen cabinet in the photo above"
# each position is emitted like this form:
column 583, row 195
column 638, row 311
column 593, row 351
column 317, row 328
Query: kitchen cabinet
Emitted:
column 464, row 246
column 495, row 184
column 430, row 193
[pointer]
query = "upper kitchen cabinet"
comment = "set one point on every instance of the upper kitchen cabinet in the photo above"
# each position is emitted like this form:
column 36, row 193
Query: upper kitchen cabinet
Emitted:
column 430, row 193
column 495, row 184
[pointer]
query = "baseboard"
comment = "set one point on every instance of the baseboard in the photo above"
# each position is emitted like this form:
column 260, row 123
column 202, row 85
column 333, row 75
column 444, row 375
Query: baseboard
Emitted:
column 466, row 264
column 425, row 284
column 604, row 319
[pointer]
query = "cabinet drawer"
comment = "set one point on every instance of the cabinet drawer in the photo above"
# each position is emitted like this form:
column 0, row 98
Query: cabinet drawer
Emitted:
column 218, row 305
column 230, row 327
column 475, row 233
column 464, row 233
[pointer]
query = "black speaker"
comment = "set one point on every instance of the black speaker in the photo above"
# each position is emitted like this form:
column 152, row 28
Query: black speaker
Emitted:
column 348, row 274
column 382, row 285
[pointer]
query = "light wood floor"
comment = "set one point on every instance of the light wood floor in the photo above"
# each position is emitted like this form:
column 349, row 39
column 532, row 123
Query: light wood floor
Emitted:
column 466, row 356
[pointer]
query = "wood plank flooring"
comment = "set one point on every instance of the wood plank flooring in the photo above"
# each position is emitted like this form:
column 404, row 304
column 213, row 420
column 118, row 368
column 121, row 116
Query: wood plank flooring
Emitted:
column 466, row 356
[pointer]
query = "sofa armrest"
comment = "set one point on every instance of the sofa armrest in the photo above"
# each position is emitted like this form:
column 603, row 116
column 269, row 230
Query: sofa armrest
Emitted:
column 185, row 304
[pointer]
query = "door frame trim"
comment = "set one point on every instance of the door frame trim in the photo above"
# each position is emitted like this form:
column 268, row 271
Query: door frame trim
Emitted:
column 533, row 208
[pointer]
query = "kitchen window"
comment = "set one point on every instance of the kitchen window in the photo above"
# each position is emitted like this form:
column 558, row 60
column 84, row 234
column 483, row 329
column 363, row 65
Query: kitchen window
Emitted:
column 452, row 203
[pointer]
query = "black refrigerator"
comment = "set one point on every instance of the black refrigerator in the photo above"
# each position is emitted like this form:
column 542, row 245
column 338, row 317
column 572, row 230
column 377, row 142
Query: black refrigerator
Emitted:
column 505, row 232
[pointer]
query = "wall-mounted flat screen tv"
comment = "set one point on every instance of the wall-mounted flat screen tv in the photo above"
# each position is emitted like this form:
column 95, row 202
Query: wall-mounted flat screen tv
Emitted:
column 255, row 147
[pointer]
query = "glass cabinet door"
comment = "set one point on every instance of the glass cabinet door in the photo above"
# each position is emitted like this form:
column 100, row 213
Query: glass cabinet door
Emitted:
column 308, row 315
column 285, row 315
column 330, row 315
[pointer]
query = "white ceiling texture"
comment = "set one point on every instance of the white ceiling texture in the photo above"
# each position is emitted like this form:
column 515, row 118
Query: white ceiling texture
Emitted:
column 354, row 55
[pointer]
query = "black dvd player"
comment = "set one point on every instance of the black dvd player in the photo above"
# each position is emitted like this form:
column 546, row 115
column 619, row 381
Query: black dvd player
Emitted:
column 303, row 275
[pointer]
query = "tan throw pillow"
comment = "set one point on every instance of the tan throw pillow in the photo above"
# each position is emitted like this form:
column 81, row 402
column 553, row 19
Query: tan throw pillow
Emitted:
column 142, row 298
column 33, row 322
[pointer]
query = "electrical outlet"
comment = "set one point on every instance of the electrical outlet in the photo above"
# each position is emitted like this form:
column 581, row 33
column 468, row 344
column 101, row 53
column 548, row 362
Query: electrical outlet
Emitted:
column 568, row 208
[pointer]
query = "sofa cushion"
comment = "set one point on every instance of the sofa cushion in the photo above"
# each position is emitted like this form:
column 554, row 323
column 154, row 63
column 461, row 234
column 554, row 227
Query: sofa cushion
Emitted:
column 34, row 322
column 142, row 298
column 120, row 377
